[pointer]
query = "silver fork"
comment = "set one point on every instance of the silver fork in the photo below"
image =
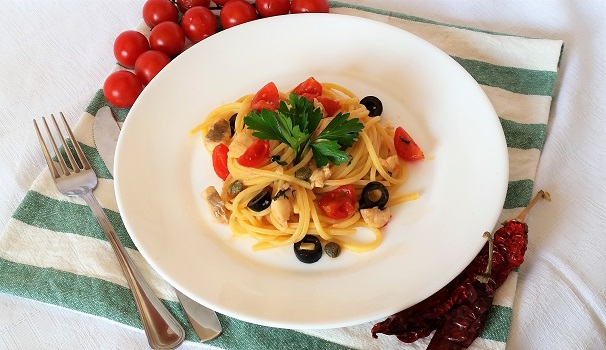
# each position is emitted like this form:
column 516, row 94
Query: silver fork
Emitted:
column 161, row 328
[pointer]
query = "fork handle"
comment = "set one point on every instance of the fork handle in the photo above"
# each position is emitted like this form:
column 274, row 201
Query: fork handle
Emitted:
column 161, row 328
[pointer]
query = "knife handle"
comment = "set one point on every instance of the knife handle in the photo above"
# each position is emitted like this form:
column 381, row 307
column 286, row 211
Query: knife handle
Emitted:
column 161, row 328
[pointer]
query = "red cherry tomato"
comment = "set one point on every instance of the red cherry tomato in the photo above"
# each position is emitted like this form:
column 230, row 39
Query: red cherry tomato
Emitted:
column 309, row 89
column 220, row 2
column 339, row 203
column 198, row 23
column 330, row 106
column 256, row 155
column 167, row 37
column 268, row 8
column 184, row 5
column 220, row 161
column 406, row 147
column 266, row 98
column 149, row 64
column 158, row 11
column 128, row 46
column 121, row 88
column 302, row 6
column 236, row 12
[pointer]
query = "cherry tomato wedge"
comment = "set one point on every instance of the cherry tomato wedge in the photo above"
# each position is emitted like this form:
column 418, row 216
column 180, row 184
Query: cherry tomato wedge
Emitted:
column 406, row 147
column 339, row 203
column 330, row 106
column 256, row 155
column 219, row 159
column 266, row 98
column 309, row 89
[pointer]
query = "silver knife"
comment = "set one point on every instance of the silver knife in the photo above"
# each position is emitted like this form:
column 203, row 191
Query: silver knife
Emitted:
column 203, row 320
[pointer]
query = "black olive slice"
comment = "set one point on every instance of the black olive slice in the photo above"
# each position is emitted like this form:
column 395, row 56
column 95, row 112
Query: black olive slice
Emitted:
column 306, row 255
column 373, row 104
column 261, row 201
column 232, row 124
column 370, row 198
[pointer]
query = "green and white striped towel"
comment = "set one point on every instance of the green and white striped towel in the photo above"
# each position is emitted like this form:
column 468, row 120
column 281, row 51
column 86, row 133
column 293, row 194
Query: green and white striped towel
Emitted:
column 53, row 251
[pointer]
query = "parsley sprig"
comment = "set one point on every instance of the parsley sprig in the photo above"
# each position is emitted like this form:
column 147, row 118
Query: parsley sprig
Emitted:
column 294, row 124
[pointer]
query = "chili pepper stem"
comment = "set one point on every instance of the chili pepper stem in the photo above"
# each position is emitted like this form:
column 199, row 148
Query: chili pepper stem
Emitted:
column 487, row 275
column 539, row 195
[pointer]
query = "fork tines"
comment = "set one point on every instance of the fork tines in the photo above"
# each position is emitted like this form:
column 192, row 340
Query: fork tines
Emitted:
column 49, row 161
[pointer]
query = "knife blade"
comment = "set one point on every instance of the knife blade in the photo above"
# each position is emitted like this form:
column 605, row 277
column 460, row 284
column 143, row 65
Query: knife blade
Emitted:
column 106, row 131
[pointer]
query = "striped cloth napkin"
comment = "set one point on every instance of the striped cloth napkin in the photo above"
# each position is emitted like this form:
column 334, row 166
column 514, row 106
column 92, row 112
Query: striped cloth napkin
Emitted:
column 53, row 251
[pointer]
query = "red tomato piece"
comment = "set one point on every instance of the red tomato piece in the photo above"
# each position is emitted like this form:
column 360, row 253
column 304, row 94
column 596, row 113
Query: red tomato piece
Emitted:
column 121, row 88
column 236, row 12
column 330, row 106
column 339, row 203
column 303, row 6
column 268, row 8
column 219, row 158
column 256, row 155
column 406, row 147
column 128, row 46
column 309, row 89
column 266, row 98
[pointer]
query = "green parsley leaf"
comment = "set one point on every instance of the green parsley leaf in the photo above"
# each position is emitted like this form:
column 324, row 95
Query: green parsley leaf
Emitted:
column 342, row 130
column 294, row 123
column 326, row 151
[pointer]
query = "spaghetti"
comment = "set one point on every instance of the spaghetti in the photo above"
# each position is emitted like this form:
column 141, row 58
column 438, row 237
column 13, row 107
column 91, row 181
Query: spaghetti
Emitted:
column 299, row 187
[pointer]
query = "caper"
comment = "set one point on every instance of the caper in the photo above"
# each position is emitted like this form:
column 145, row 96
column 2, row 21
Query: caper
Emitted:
column 235, row 187
column 332, row 249
column 303, row 173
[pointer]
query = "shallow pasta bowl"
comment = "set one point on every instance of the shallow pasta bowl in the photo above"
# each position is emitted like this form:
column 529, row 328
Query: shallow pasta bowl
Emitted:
column 161, row 170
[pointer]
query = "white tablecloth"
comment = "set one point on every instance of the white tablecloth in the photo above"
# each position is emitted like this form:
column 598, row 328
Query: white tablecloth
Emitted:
column 54, row 55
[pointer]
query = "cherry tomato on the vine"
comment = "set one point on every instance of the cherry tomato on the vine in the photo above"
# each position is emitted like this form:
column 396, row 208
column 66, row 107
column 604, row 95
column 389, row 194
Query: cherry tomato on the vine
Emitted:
column 302, row 6
column 406, row 147
column 198, row 23
column 220, row 2
column 255, row 155
column 167, row 37
column 339, row 203
column 219, row 159
column 236, row 12
column 158, row 11
column 149, row 64
column 266, row 98
column 128, row 46
column 184, row 5
column 121, row 88
column 268, row 8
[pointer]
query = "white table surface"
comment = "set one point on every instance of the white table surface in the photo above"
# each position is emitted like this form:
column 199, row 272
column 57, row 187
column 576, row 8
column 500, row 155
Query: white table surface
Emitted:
column 54, row 55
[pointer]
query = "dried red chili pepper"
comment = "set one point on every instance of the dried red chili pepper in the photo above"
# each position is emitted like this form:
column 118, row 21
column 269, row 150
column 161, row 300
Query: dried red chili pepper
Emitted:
column 459, row 310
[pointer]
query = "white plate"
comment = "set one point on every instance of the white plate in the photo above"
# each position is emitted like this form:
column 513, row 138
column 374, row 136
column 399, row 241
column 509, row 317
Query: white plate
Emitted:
column 160, row 171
